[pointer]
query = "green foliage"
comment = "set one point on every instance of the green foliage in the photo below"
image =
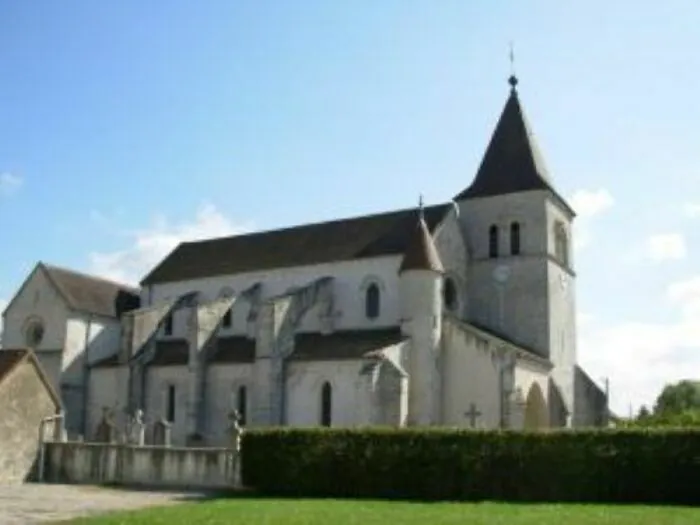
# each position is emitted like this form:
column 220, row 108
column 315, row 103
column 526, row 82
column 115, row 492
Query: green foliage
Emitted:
column 678, row 398
column 238, row 511
column 638, row 465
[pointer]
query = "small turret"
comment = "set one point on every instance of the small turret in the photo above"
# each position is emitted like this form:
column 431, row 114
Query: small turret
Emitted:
column 420, row 285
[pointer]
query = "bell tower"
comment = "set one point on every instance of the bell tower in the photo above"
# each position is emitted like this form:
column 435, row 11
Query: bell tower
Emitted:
column 518, row 228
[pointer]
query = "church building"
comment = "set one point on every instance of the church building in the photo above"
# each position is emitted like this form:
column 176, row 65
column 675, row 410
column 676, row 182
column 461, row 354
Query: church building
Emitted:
column 459, row 314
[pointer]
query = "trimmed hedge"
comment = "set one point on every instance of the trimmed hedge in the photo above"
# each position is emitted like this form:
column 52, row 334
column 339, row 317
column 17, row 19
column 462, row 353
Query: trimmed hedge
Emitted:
column 640, row 465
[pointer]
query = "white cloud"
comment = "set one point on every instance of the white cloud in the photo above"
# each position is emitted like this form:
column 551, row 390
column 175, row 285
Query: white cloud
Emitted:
column 691, row 210
column 149, row 245
column 640, row 358
column 588, row 204
column 666, row 247
column 9, row 183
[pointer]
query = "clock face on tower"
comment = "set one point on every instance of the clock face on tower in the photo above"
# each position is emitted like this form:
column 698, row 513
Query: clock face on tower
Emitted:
column 501, row 273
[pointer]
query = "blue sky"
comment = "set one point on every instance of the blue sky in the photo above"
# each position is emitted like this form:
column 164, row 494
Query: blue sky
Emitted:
column 128, row 126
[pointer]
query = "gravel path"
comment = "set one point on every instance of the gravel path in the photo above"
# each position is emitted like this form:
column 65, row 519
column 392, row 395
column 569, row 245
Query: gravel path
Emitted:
column 34, row 503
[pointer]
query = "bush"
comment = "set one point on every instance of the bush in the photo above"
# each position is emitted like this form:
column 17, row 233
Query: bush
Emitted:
column 640, row 465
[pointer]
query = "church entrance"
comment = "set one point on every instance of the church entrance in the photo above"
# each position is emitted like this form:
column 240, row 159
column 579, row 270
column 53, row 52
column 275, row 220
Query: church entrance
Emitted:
column 535, row 409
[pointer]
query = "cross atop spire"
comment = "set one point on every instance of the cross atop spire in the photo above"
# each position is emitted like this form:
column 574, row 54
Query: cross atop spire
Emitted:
column 420, row 205
column 512, row 80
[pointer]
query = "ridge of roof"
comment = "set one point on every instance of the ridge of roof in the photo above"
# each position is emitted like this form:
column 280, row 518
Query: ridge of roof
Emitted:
column 91, row 294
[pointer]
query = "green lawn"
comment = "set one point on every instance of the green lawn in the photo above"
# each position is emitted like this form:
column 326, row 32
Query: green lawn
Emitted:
column 338, row 512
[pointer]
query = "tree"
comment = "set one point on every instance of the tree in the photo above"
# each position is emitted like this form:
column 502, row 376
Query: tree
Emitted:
column 678, row 398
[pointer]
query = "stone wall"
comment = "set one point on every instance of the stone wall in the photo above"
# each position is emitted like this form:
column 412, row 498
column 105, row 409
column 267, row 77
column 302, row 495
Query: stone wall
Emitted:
column 24, row 402
column 146, row 466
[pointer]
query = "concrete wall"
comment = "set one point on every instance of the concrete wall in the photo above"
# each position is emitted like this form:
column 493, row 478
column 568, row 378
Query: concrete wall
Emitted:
column 93, row 463
column 351, row 279
column 24, row 402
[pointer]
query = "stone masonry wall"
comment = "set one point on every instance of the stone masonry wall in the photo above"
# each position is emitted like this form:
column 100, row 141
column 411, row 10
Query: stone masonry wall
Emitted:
column 24, row 402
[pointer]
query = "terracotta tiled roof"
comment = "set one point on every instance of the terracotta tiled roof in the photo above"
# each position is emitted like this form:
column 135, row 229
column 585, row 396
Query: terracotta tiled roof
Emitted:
column 421, row 253
column 339, row 240
column 90, row 294
column 346, row 344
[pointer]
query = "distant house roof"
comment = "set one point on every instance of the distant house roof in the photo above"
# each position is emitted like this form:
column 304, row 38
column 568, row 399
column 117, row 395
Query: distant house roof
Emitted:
column 345, row 344
column 338, row 240
column 90, row 294
column 11, row 358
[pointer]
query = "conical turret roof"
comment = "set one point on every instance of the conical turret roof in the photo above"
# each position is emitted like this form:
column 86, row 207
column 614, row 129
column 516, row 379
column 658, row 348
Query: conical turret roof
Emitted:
column 421, row 253
column 512, row 162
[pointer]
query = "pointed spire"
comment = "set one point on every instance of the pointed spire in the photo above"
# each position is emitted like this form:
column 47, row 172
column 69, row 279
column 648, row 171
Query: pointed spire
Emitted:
column 512, row 161
column 421, row 253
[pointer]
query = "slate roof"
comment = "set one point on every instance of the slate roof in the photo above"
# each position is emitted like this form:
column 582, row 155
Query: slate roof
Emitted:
column 233, row 349
column 339, row 240
column 421, row 253
column 346, row 344
column 512, row 161
column 170, row 352
column 90, row 294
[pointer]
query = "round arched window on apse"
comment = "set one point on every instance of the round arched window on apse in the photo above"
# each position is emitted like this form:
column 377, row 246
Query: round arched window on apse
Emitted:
column 34, row 333
column 449, row 294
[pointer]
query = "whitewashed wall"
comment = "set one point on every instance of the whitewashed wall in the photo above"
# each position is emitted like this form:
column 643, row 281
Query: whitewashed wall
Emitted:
column 470, row 375
column 157, row 381
column 351, row 278
column 223, row 381
column 107, row 387
column 349, row 395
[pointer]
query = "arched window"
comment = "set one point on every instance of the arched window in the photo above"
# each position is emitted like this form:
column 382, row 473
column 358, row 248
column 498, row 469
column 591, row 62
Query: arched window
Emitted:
column 372, row 301
column 493, row 241
column 168, row 324
column 326, row 404
column 227, row 320
column 242, row 403
column 515, row 238
column 561, row 244
column 449, row 294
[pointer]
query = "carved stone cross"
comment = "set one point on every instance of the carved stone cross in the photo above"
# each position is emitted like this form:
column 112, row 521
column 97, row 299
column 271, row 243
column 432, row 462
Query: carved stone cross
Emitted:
column 473, row 414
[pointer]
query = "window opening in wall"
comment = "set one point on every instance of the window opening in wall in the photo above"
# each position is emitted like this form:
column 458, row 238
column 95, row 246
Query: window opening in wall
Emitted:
column 326, row 404
column 170, row 404
column 242, row 404
column 561, row 245
column 449, row 294
column 515, row 238
column 227, row 320
column 493, row 241
column 372, row 301
column 168, row 324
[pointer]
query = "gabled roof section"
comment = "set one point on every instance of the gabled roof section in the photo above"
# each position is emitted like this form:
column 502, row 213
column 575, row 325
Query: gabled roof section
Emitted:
column 513, row 161
column 421, row 253
column 11, row 358
column 90, row 294
column 334, row 241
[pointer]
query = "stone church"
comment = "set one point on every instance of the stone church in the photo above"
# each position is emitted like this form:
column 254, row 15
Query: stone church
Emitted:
column 459, row 314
